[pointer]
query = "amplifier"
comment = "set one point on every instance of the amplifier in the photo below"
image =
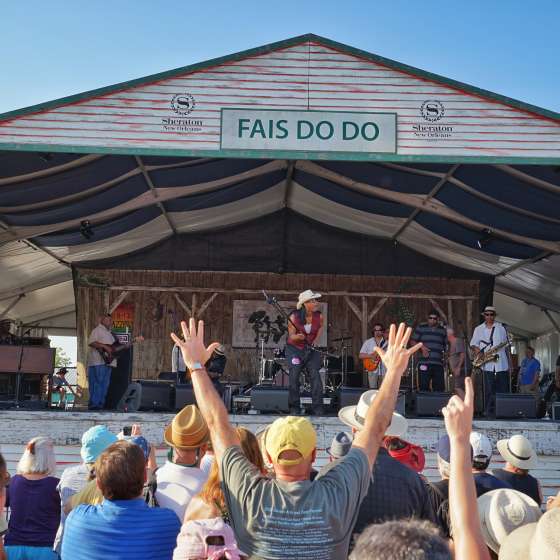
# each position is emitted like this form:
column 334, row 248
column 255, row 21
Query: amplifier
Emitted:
column 184, row 395
column 156, row 395
column 515, row 406
column 430, row 404
column 269, row 399
column 556, row 411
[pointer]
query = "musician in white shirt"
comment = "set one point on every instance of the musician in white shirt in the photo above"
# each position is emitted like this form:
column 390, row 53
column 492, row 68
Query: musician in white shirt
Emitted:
column 98, row 371
column 372, row 359
column 496, row 374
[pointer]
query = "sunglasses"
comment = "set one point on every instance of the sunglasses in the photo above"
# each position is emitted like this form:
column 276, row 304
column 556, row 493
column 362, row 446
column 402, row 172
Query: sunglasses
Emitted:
column 377, row 330
column 433, row 318
column 489, row 314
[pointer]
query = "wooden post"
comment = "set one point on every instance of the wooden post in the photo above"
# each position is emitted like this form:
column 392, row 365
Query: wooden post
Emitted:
column 185, row 307
column 449, row 313
column 364, row 319
column 193, row 305
column 120, row 298
column 439, row 309
column 469, row 319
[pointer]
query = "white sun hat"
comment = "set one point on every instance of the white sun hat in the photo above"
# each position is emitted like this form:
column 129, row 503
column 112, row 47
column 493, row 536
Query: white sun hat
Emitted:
column 306, row 296
column 518, row 451
column 354, row 416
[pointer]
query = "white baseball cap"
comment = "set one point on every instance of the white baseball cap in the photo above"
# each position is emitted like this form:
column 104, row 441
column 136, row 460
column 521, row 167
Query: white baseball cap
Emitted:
column 481, row 446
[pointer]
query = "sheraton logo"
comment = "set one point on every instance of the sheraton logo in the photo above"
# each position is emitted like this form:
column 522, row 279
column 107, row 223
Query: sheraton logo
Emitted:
column 182, row 104
column 432, row 111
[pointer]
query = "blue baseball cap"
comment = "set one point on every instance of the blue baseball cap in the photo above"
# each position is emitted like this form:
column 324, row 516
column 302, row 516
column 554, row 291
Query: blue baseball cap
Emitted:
column 95, row 441
column 141, row 442
column 444, row 449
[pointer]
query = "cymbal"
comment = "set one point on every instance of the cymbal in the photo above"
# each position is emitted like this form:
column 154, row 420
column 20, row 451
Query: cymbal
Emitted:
column 342, row 338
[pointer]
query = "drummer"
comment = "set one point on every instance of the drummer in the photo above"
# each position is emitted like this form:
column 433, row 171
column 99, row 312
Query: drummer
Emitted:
column 371, row 359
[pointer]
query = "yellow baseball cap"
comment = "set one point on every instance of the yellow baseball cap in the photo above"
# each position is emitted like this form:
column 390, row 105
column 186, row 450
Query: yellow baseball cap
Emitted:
column 292, row 433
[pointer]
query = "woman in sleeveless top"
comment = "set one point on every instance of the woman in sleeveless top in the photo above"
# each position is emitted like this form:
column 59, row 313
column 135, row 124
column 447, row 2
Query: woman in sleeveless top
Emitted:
column 210, row 502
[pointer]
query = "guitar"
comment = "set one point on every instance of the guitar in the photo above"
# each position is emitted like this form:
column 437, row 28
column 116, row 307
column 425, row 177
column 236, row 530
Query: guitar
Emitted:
column 116, row 347
column 371, row 364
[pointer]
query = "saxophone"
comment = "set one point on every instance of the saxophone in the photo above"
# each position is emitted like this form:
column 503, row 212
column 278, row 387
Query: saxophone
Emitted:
column 490, row 355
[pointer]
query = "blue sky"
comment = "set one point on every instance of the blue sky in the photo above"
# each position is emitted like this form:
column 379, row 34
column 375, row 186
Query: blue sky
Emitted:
column 55, row 48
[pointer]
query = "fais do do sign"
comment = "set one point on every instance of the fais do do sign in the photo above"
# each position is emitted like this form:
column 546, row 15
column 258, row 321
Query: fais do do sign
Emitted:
column 315, row 131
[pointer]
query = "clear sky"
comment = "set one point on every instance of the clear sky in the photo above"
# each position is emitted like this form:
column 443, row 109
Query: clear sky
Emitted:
column 56, row 48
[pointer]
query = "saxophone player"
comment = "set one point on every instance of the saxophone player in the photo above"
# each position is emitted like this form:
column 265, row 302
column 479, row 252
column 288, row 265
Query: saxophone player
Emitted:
column 495, row 372
column 371, row 360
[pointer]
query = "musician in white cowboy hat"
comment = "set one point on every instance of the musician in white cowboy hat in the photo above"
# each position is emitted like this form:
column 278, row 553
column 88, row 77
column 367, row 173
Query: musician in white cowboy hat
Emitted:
column 520, row 456
column 304, row 328
column 496, row 374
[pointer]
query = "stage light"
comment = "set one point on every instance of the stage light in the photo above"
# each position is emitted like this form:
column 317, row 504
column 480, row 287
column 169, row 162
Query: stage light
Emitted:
column 485, row 239
column 86, row 229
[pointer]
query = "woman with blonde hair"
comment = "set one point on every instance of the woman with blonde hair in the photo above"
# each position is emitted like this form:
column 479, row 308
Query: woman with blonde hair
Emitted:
column 34, row 504
column 210, row 502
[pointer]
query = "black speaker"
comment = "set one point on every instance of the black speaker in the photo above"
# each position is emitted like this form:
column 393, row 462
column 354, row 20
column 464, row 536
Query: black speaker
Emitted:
column 430, row 404
column 350, row 395
column 156, row 395
column 269, row 399
column 120, row 379
column 515, row 406
column 132, row 398
column 184, row 395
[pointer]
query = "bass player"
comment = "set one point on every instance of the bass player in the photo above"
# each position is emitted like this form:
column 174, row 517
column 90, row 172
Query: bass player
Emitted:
column 304, row 328
column 98, row 371
column 372, row 361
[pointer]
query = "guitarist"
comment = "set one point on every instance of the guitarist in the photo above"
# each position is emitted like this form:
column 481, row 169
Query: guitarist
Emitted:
column 98, row 371
column 371, row 359
column 304, row 328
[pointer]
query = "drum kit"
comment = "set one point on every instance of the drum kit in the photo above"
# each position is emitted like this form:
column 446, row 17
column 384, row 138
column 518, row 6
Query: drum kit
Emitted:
column 335, row 363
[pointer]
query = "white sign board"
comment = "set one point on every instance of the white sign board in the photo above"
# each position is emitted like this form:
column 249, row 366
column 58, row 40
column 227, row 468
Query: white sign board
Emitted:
column 326, row 131
column 256, row 319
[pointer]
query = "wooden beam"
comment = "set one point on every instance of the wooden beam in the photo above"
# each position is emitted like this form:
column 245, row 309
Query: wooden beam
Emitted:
column 335, row 293
column 364, row 318
column 353, row 307
column 193, row 304
column 439, row 309
column 450, row 313
column 206, row 304
column 186, row 308
column 120, row 298
column 376, row 309
column 469, row 318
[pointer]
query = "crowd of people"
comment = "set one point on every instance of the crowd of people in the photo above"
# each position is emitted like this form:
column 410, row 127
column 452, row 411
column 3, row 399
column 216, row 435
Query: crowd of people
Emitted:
column 226, row 493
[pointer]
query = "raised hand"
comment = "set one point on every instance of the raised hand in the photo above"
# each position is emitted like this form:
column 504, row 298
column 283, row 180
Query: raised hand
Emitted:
column 192, row 347
column 458, row 414
column 396, row 356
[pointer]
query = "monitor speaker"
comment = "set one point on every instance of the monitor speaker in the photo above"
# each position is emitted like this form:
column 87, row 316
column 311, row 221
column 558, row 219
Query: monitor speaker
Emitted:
column 156, row 395
column 269, row 399
column 120, row 379
column 184, row 395
column 430, row 404
column 515, row 406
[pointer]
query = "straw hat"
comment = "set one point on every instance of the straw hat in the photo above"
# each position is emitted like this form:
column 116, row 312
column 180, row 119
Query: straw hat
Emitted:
column 534, row 541
column 518, row 451
column 306, row 296
column 188, row 429
column 354, row 416
column 502, row 511
column 490, row 309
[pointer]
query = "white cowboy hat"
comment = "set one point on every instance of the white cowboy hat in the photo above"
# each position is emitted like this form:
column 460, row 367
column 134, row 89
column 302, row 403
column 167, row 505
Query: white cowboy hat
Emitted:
column 354, row 416
column 518, row 451
column 489, row 308
column 502, row 511
column 306, row 296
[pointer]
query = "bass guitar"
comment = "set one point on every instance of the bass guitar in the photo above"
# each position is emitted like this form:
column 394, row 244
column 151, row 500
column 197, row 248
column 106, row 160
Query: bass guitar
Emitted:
column 117, row 347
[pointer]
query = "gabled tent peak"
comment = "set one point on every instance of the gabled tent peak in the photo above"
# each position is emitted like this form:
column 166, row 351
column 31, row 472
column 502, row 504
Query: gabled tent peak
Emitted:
column 278, row 45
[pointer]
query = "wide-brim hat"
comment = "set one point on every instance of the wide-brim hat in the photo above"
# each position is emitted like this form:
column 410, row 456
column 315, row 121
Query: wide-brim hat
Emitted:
column 306, row 296
column 502, row 511
column 340, row 445
column 518, row 451
column 188, row 429
column 354, row 416
column 221, row 350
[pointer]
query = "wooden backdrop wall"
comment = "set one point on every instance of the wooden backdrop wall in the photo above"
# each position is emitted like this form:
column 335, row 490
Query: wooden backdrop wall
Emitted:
column 163, row 298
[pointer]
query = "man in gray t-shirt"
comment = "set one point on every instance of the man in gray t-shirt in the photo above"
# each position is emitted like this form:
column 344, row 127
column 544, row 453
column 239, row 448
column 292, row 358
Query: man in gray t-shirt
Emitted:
column 290, row 517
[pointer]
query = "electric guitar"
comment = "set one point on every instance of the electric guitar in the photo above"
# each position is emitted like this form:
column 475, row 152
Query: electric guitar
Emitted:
column 116, row 347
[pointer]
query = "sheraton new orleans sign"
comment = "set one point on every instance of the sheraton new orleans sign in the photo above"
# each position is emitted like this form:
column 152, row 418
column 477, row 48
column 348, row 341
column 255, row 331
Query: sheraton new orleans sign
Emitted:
column 325, row 131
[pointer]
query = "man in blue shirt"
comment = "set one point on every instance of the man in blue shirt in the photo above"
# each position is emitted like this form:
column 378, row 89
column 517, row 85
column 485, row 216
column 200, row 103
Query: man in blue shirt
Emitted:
column 122, row 527
column 529, row 373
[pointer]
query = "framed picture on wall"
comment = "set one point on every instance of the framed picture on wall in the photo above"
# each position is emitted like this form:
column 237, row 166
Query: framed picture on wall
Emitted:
column 254, row 320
